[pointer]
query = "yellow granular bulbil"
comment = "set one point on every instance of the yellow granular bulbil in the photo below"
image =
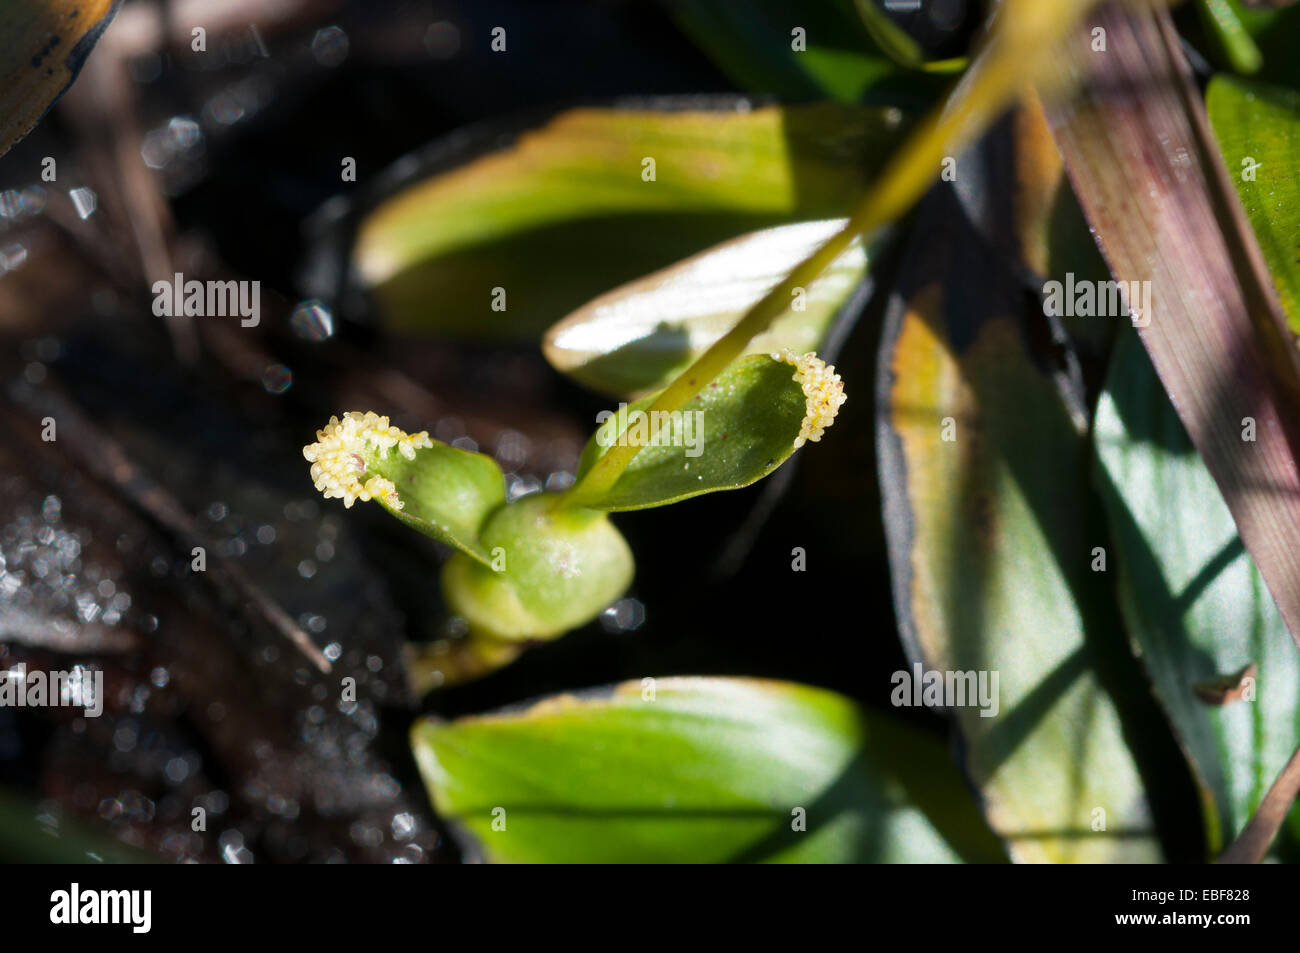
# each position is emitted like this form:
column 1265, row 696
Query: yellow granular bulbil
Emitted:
column 338, row 462
column 823, row 393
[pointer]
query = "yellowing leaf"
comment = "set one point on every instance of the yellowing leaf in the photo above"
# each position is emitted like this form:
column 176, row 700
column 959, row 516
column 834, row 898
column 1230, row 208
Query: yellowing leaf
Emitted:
column 983, row 488
column 42, row 47
column 598, row 197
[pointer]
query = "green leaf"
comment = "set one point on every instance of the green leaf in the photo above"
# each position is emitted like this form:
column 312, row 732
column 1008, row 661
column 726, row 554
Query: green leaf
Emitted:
column 984, row 498
column 638, row 337
column 737, row 430
column 550, row 570
column 446, row 493
column 754, row 44
column 568, row 211
column 1274, row 32
column 1223, row 18
column 43, row 44
column 1258, row 128
column 700, row 770
column 1193, row 601
column 1270, row 30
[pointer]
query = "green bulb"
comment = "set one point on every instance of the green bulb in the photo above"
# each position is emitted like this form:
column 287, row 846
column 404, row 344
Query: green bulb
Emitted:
column 552, row 570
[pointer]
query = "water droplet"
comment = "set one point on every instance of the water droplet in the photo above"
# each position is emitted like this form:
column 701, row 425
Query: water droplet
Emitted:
column 403, row 826
column 517, row 486
column 512, row 448
column 329, row 46
column 224, row 108
column 12, row 256
column 559, row 481
column 10, row 204
column 277, row 378
column 160, row 146
column 623, row 616
column 177, row 770
column 312, row 321
column 185, row 132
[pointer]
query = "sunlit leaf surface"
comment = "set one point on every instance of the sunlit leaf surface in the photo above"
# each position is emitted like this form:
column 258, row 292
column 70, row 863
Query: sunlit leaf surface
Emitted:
column 700, row 770
column 599, row 197
column 637, row 337
column 1211, row 638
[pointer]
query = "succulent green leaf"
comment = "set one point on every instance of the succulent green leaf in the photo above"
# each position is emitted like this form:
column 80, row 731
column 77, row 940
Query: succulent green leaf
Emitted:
column 737, row 430
column 549, row 570
column 446, row 493
column 700, row 770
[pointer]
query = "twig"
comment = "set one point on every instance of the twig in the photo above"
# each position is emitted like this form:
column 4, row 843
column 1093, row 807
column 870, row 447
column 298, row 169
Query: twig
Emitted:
column 103, row 107
column 106, row 459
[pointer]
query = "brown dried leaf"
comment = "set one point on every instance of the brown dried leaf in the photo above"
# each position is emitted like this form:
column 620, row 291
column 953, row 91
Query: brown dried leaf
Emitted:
column 1148, row 175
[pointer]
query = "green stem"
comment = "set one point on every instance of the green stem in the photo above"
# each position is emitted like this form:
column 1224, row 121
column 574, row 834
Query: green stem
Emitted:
column 1015, row 56
column 1224, row 18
